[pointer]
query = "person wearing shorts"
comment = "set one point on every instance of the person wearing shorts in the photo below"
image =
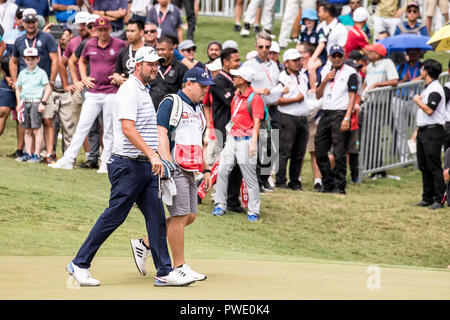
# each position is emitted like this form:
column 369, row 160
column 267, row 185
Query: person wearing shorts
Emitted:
column 32, row 91
column 182, row 146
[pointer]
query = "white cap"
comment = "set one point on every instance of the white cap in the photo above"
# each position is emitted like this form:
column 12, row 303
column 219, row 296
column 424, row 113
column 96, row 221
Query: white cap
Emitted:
column 29, row 14
column 291, row 54
column 361, row 14
column 251, row 54
column 29, row 11
column 216, row 65
column 92, row 18
column 274, row 47
column 230, row 44
column 82, row 17
column 147, row 54
column 244, row 72
column 30, row 52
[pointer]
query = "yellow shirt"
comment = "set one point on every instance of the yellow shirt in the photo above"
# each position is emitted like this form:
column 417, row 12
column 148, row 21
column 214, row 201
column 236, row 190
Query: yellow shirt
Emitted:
column 387, row 8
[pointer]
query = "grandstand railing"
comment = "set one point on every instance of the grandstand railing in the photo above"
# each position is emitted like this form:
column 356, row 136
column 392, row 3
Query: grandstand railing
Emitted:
column 388, row 121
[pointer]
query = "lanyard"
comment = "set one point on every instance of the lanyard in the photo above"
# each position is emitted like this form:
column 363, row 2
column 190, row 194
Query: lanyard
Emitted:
column 409, row 72
column 237, row 109
column 267, row 74
column 34, row 42
column 161, row 20
column 335, row 78
column 167, row 70
column 4, row 12
column 226, row 75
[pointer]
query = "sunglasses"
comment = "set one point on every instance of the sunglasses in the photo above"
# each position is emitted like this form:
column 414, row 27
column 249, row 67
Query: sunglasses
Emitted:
column 190, row 50
column 90, row 26
column 149, row 31
column 413, row 11
column 263, row 47
column 357, row 2
column 337, row 56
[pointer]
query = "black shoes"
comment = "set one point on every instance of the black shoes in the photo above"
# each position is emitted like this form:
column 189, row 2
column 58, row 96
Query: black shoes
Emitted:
column 17, row 154
column 318, row 187
column 436, row 205
column 237, row 27
column 89, row 165
column 295, row 186
column 237, row 209
column 431, row 205
column 423, row 204
column 267, row 187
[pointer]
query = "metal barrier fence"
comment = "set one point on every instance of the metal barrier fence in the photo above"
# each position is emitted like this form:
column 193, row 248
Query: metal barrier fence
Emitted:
column 388, row 120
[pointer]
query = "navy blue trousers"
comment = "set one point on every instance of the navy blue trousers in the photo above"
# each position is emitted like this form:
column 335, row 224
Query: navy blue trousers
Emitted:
column 131, row 181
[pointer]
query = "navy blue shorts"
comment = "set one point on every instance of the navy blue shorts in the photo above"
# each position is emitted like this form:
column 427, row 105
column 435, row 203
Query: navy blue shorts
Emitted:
column 7, row 95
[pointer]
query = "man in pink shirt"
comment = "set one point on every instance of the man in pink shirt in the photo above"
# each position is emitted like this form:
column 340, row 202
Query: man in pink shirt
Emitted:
column 101, row 52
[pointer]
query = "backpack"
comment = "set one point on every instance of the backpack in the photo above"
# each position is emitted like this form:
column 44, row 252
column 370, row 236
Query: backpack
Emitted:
column 415, row 30
column 265, row 123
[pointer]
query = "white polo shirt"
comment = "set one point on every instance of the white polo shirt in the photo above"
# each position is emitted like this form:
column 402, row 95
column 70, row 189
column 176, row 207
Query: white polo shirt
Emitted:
column 266, row 76
column 296, row 84
column 429, row 95
column 133, row 102
column 333, row 33
column 336, row 92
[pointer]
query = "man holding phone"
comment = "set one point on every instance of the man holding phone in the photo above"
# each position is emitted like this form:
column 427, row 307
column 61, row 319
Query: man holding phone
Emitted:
column 338, row 88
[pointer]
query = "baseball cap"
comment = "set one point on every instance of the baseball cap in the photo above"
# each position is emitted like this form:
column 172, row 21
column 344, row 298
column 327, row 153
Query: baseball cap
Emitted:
column 101, row 23
column 92, row 18
column 274, row 47
column 378, row 48
column 357, row 55
column 82, row 17
column 291, row 54
column 30, row 52
column 186, row 44
column 360, row 14
column 216, row 65
column 309, row 14
column 147, row 54
column 198, row 75
column 413, row 4
column 352, row 63
column 230, row 44
column 245, row 73
column 19, row 13
column 29, row 14
column 336, row 49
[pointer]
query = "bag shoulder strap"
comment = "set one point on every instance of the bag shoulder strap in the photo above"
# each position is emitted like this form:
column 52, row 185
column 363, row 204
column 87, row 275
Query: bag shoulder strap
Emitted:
column 177, row 110
column 249, row 104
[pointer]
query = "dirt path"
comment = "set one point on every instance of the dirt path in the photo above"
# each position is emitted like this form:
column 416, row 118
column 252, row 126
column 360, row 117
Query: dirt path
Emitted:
column 45, row 278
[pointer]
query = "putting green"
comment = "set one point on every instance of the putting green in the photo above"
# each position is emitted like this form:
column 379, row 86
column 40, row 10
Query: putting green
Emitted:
column 45, row 278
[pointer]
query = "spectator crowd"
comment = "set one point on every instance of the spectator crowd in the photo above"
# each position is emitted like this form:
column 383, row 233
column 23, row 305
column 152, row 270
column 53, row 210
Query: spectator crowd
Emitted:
column 266, row 108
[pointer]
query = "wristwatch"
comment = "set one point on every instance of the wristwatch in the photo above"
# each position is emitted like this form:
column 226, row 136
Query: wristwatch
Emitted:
column 44, row 103
column 347, row 119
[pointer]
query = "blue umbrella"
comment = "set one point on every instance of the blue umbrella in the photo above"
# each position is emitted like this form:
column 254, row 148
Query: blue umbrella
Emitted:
column 402, row 42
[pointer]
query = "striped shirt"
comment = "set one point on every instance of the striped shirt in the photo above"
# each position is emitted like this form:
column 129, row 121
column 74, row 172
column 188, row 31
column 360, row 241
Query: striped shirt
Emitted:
column 133, row 102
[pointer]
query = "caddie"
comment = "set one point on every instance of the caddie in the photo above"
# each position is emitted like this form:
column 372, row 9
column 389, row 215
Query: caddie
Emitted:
column 181, row 124
column 133, row 170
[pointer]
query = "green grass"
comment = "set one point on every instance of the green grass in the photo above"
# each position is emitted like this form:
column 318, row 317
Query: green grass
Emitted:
column 50, row 212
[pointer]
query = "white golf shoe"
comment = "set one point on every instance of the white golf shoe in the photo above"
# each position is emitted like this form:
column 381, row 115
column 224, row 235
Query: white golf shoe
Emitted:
column 103, row 168
column 62, row 163
column 140, row 254
column 187, row 270
column 174, row 279
column 82, row 276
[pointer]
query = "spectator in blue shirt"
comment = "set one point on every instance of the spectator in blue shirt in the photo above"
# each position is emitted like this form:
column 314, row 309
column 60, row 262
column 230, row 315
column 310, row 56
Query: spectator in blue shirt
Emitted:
column 114, row 10
column 411, row 25
column 41, row 6
column 410, row 70
column 64, row 9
